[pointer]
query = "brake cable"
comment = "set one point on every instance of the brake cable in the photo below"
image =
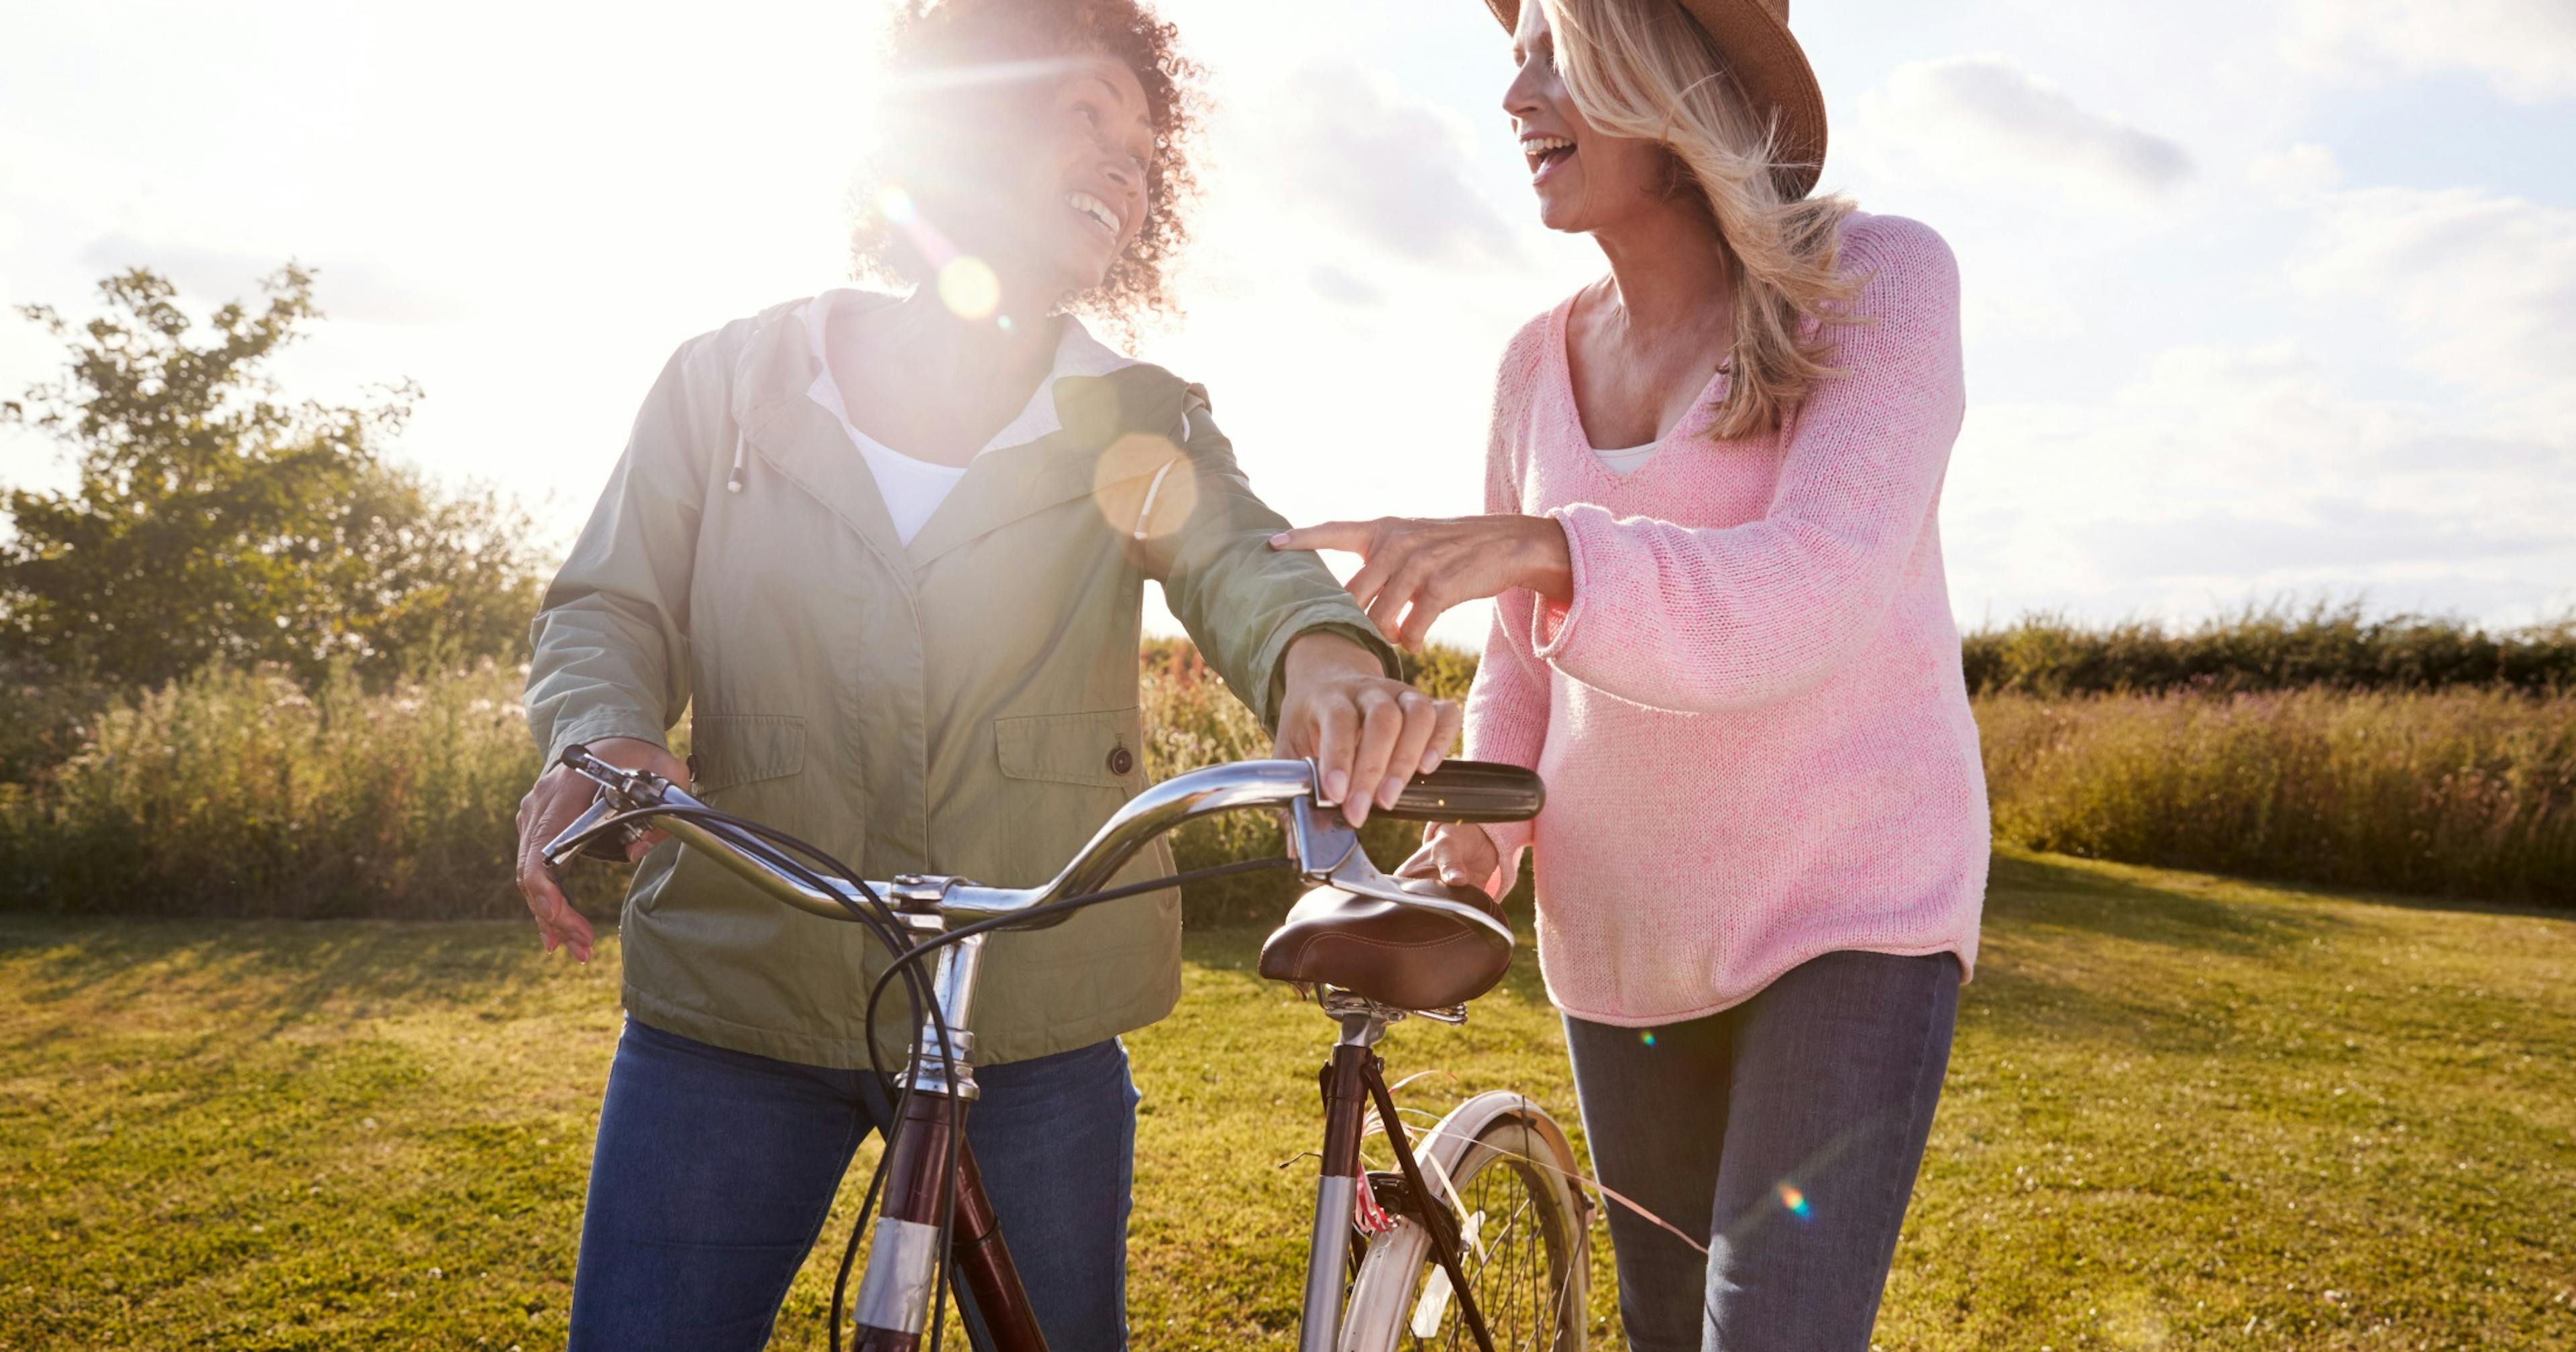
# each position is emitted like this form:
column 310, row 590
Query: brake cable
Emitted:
column 887, row 929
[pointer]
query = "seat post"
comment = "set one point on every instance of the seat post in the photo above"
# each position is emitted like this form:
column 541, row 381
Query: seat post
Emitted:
column 1345, row 1083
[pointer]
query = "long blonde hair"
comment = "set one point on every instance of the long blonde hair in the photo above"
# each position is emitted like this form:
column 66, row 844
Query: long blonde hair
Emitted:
column 1645, row 69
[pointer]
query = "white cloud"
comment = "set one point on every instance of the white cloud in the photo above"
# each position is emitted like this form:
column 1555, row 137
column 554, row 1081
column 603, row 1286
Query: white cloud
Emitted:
column 2482, row 289
column 1341, row 288
column 2296, row 175
column 1386, row 166
column 2525, row 48
column 355, row 289
column 2225, row 472
column 1986, row 119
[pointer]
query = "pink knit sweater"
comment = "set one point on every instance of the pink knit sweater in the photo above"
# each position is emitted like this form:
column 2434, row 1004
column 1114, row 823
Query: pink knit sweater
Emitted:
column 1751, row 719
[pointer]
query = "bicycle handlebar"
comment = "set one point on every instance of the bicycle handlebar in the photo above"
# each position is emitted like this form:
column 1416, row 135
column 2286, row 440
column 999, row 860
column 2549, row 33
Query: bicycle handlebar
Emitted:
column 1325, row 847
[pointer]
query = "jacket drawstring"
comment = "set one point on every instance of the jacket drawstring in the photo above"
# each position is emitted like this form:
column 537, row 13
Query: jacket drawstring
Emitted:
column 1145, row 514
column 741, row 450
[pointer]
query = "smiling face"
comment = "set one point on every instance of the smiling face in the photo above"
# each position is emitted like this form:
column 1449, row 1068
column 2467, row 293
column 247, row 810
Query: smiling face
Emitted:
column 1050, row 141
column 1585, row 179
column 1079, row 194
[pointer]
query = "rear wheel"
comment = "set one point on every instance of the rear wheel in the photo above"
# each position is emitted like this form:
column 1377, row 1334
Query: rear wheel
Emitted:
column 1522, row 1231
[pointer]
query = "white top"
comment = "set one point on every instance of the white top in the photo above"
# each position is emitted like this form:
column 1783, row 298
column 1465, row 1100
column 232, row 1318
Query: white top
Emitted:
column 913, row 488
column 1621, row 464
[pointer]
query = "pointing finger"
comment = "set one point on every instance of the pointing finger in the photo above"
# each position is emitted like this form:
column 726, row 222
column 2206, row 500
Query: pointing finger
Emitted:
column 1351, row 537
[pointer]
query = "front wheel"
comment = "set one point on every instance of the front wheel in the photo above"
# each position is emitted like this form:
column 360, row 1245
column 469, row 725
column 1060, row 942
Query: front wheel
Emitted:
column 1522, row 1226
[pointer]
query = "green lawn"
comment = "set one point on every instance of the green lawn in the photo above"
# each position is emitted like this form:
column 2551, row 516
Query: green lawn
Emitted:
column 2184, row 1112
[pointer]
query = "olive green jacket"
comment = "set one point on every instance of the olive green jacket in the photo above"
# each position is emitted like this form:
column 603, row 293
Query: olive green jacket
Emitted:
column 966, row 704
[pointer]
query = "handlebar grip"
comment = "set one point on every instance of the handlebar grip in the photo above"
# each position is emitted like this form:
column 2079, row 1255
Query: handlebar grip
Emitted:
column 1471, row 791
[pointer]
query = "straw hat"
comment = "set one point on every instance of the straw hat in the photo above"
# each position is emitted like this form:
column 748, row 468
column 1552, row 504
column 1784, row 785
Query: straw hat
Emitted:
column 1753, row 36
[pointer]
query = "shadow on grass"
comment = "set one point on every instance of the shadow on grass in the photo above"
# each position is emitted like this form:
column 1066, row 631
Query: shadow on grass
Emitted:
column 2351, row 893
column 288, row 967
column 2025, row 983
column 2027, row 895
column 2045, row 970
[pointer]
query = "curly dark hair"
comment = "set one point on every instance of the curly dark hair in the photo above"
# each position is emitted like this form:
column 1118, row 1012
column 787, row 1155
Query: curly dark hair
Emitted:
column 933, row 36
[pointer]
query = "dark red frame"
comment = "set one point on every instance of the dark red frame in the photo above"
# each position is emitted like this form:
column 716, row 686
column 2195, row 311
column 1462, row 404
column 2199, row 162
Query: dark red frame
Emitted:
column 978, row 1257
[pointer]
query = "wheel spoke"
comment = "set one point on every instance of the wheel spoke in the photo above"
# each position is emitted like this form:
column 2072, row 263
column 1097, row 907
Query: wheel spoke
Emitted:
column 1521, row 1267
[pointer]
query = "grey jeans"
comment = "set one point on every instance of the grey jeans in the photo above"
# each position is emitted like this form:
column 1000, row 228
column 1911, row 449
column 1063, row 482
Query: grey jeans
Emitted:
column 1787, row 1130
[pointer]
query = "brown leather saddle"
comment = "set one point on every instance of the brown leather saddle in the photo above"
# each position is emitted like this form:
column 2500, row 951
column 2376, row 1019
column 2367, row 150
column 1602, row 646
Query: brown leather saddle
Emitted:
column 1407, row 957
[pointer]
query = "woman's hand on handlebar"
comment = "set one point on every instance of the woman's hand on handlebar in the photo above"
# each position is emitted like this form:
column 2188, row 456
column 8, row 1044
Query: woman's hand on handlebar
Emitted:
column 1461, row 854
column 558, row 797
column 1368, row 735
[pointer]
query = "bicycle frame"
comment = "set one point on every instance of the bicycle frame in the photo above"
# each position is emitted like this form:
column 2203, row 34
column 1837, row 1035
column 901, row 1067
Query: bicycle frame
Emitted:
column 895, row 1292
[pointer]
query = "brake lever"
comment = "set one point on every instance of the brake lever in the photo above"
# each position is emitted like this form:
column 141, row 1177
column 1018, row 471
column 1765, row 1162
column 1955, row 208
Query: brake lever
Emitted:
column 609, row 845
column 1329, row 855
column 1323, row 839
column 640, row 787
column 620, row 790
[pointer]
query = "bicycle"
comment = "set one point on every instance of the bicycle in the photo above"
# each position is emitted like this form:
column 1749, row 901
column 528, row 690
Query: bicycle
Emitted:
column 1478, row 1238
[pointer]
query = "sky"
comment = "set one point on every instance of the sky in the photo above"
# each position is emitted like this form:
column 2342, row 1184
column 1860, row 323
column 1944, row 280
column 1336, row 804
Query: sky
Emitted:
column 2262, row 300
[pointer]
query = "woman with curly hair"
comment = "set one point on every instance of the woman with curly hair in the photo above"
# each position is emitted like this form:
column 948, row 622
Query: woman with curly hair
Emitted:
column 888, row 551
column 1722, row 635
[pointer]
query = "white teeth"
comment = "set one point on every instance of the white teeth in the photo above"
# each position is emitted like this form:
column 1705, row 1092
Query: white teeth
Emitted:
column 1094, row 208
column 1540, row 145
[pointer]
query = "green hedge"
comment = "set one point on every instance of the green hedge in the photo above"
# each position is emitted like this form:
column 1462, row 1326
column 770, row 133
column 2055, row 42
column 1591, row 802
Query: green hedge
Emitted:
column 2269, row 648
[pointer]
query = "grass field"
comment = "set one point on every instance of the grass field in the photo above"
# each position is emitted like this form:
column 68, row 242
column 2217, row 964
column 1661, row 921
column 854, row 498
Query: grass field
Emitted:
column 2184, row 1113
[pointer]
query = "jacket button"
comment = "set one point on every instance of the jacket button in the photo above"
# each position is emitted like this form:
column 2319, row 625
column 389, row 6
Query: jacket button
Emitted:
column 1121, row 760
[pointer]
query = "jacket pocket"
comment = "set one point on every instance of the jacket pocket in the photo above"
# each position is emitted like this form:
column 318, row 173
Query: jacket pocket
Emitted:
column 1105, row 749
column 737, row 749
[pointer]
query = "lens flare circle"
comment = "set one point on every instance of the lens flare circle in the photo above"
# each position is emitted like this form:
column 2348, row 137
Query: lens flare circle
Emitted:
column 969, row 288
column 1144, row 486
column 1794, row 1200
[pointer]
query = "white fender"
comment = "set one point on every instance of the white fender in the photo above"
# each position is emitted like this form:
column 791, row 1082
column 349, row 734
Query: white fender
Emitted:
column 1381, row 1301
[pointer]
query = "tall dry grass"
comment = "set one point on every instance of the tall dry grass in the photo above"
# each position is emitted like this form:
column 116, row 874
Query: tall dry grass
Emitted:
column 245, row 793
column 2459, row 792
column 237, row 793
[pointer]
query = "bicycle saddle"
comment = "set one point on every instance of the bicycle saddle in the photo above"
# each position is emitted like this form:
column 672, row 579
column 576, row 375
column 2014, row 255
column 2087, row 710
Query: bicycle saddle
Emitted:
column 1409, row 957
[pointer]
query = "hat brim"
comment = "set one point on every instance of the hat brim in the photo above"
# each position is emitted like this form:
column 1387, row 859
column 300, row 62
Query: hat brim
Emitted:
column 1772, row 70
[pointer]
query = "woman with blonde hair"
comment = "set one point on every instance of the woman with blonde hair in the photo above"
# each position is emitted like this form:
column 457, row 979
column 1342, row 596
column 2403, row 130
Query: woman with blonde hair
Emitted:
column 1722, row 635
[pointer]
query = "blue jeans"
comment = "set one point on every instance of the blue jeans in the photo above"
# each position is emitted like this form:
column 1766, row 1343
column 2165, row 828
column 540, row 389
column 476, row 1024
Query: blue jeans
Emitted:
column 715, row 1170
column 1787, row 1130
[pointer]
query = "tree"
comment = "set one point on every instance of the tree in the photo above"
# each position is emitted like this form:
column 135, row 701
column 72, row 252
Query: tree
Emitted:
column 214, row 522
